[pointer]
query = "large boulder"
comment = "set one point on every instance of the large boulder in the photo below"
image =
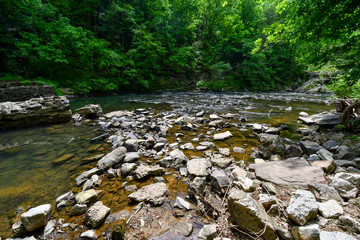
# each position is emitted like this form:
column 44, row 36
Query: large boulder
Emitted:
column 199, row 167
column 250, row 215
column 96, row 215
column 302, row 207
column 112, row 158
column 90, row 111
column 271, row 144
column 324, row 119
column 36, row 217
column 291, row 173
column 153, row 193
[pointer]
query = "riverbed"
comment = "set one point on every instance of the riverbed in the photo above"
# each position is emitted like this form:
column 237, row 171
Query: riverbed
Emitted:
column 40, row 163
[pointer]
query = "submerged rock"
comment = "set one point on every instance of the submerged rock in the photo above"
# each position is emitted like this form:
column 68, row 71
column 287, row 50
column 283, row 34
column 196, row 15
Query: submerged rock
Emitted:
column 36, row 217
column 153, row 193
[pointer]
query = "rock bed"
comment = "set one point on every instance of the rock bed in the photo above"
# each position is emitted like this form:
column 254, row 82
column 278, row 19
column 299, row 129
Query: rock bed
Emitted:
column 302, row 190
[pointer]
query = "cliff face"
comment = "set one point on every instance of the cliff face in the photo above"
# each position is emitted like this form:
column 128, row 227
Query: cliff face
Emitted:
column 34, row 111
column 22, row 93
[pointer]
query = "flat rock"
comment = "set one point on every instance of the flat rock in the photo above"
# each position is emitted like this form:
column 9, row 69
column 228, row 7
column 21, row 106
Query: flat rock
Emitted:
column 86, row 196
column 153, row 193
column 143, row 171
column 112, row 158
column 324, row 119
column 96, row 215
column 131, row 157
column 183, row 229
column 310, row 147
column 222, row 136
column 325, row 235
column 327, row 166
column 36, row 217
column 221, row 162
column 199, row 167
column 292, row 173
column 178, row 156
column 302, row 207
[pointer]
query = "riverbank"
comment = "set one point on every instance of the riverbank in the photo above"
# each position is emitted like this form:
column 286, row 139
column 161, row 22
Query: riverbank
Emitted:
column 175, row 132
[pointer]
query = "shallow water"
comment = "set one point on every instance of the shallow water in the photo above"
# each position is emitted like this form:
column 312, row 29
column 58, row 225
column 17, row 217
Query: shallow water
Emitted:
column 29, row 175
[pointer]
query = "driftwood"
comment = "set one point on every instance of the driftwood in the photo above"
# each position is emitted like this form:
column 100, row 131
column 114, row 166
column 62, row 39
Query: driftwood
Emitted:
column 348, row 108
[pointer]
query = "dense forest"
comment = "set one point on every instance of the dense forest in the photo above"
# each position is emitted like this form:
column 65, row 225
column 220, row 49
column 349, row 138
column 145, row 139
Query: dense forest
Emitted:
column 145, row 45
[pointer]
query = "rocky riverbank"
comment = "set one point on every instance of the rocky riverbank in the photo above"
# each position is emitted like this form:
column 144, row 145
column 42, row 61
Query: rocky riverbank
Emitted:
column 174, row 176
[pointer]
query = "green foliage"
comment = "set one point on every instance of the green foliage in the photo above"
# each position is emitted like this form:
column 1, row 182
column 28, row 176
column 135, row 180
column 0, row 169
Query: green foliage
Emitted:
column 340, row 127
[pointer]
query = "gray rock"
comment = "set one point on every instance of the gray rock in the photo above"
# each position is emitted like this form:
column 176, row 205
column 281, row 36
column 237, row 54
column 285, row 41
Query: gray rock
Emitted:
column 199, row 167
column 345, row 163
column 86, row 197
column 239, row 150
column 267, row 200
column 302, row 207
column 224, row 151
column 324, row 119
column 269, row 188
column 78, row 209
column 50, row 227
column 313, row 157
column 330, row 209
column 182, row 204
column 325, row 154
column 184, row 229
column 308, row 232
column 349, row 223
column 143, row 171
column 131, row 145
column 238, row 172
column 344, row 153
column 18, row 229
column 352, row 178
column 111, row 159
column 310, row 147
column 62, row 200
column 96, row 215
column 331, row 145
column 271, row 144
column 208, row 232
column 324, row 192
column 291, row 173
column 131, row 157
column 159, row 146
column 90, row 111
column 85, row 175
column 221, row 162
column 324, row 235
column 293, row 150
column 345, row 188
column 88, row 235
column 245, row 184
column 219, row 180
column 153, row 193
column 127, row 168
column 178, row 156
column 222, row 136
column 250, row 215
column 36, row 217
column 197, row 186
column 200, row 114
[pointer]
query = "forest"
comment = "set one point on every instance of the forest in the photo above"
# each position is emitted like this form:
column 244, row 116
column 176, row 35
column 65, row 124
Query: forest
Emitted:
column 147, row 45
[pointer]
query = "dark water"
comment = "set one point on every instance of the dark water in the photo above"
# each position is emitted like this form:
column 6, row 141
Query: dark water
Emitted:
column 29, row 175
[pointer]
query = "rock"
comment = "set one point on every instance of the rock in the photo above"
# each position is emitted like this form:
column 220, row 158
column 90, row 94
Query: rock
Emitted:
column 34, row 111
column 78, row 209
column 256, row 127
column 272, row 130
column 249, row 214
column 62, row 200
column 221, row 162
column 182, row 204
column 111, row 159
column 153, row 193
column 331, row 145
column 200, row 114
column 239, row 150
column 96, row 215
column 85, row 175
column 219, row 180
column 131, row 157
column 90, row 111
column 18, row 229
column 324, row 119
column 345, row 163
column 310, row 147
column 352, row 178
column 325, row 154
column 267, row 200
column 273, row 210
column 197, row 186
column 224, row 151
column 327, row 166
column 245, row 184
column 50, row 227
column 345, row 188
column 222, row 136
column 238, row 172
column 131, row 145
column 324, row 235
column 293, row 151
column 292, row 173
column 308, row 232
column 36, row 217
column 199, row 167
column 271, row 144
column 187, row 146
column 86, row 197
column 127, row 168
column 344, row 154
column 349, row 223
column 313, row 157
column 324, row 192
column 88, row 235
column 184, row 229
column 159, row 146
column 330, row 209
column 178, row 156
column 302, row 207
column 208, row 232
column 269, row 188
column 143, row 171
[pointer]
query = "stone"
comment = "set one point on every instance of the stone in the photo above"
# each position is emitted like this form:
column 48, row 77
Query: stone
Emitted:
column 96, row 215
column 159, row 146
column 50, row 227
column 36, row 217
column 238, row 172
column 273, row 210
column 88, row 235
column 324, row 192
column 267, row 200
column 219, row 180
column 293, row 151
column 78, row 209
column 131, row 157
column 197, row 186
column 328, row 166
column 87, row 196
column 187, row 146
column 324, row 119
column 131, row 145
column 345, row 163
column 199, row 167
column 250, row 215
column 302, row 207
column 200, row 114
column 349, row 223
column 90, row 111
column 310, row 147
column 325, row 235
column 222, row 136
column 112, row 159
column 62, row 200
column 325, row 154
column 184, row 229
column 143, row 171
column 127, row 168
column 208, row 232
column 178, row 156
column 239, row 150
column 269, row 188
column 291, row 173
column 221, row 162
column 272, row 130
column 224, row 151
column 271, row 144
column 308, row 232
column 345, row 188
column 153, row 193
column 18, row 229
column 313, row 157
column 330, row 209
column 182, row 204
column 245, row 184
column 331, row 145
column 352, row 178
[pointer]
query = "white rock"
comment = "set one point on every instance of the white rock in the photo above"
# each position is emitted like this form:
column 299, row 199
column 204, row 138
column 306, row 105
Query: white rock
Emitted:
column 308, row 232
column 302, row 207
column 222, row 136
column 207, row 232
column 199, row 167
column 36, row 217
column 90, row 234
column 96, row 215
column 330, row 209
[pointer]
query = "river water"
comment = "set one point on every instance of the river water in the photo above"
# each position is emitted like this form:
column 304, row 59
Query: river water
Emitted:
column 38, row 164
